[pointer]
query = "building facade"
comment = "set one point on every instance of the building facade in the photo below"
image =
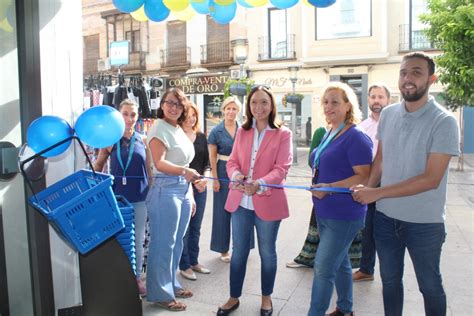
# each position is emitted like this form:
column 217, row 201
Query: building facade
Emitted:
column 357, row 42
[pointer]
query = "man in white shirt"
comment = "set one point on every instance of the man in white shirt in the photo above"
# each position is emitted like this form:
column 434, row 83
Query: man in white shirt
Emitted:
column 379, row 97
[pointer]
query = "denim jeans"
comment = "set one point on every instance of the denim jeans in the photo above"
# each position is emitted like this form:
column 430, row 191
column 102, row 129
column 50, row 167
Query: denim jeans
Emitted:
column 243, row 221
column 367, row 262
column 332, row 265
column 190, row 254
column 169, row 211
column 424, row 243
column 140, row 221
column 220, row 236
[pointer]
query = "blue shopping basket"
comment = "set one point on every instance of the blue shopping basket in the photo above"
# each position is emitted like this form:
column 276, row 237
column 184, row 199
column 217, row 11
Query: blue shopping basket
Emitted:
column 81, row 207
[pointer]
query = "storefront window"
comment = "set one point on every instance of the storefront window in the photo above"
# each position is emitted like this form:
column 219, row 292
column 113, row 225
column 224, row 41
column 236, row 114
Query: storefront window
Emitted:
column 212, row 111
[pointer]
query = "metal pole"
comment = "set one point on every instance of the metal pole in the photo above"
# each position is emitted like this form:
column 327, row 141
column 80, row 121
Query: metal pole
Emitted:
column 241, row 97
column 293, row 112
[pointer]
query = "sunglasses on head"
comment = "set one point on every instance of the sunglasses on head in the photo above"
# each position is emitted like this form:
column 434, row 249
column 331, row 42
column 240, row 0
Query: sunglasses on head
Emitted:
column 260, row 86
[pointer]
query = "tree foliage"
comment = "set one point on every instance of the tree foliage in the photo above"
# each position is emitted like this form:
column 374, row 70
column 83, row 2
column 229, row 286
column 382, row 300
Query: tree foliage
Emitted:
column 451, row 29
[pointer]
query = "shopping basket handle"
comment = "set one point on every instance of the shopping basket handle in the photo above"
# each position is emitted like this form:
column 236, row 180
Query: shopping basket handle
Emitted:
column 22, row 164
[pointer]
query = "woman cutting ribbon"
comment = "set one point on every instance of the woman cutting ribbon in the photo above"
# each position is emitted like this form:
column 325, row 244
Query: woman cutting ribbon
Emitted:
column 341, row 160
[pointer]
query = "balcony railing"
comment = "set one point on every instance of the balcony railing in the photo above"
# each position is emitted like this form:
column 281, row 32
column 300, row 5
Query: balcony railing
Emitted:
column 136, row 61
column 175, row 57
column 216, row 53
column 273, row 50
column 414, row 40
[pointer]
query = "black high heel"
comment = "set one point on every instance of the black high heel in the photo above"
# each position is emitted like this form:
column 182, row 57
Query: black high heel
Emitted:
column 266, row 312
column 225, row 312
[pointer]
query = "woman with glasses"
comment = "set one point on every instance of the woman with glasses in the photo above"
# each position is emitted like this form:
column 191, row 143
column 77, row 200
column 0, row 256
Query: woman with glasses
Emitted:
column 130, row 165
column 261, row 158
column 341, row 160
column 170, row 200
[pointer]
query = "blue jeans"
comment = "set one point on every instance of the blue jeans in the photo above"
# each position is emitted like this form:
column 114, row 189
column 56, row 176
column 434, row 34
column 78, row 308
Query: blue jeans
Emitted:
column 367, row 262
column 140, row 221
column 220, row 236
column 243, row 221
column 424, row 243
column 190, row 254
column 169, row 211
column 332, row 265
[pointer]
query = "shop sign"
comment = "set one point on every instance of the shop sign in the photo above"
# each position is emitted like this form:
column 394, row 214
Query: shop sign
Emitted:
column 119, row 53
column 199, row 85
column 283, row 81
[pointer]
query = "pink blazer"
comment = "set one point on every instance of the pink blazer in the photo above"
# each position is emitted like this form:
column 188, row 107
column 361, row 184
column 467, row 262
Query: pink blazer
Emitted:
column 272, row 163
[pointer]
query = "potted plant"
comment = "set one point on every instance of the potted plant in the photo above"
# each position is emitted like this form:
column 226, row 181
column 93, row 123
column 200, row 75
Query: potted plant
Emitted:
column 294, row 98
column 240, row 87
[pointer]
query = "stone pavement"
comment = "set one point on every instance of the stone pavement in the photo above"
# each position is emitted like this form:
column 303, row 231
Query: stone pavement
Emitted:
column 293, row 286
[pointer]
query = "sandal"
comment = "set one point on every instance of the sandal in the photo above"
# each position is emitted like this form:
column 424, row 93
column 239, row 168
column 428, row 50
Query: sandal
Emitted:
column 183, row 293
column 173, row 306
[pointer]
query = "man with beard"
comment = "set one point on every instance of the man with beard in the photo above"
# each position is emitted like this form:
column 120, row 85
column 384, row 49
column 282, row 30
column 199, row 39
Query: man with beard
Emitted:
column 379, row 96
column 417, row 138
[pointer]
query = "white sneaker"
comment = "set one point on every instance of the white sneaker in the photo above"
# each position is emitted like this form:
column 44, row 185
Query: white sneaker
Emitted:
column 293, row 264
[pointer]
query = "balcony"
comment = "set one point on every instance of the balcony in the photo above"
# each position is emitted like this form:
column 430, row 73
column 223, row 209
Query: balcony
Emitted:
column 216, row 54
column 136, row 61
column 175, row 58
column 411, row 40
column 273, row 50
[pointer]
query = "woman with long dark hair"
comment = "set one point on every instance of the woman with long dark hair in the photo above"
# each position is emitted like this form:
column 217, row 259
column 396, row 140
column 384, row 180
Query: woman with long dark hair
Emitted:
column 169, row 201
column 261, row 157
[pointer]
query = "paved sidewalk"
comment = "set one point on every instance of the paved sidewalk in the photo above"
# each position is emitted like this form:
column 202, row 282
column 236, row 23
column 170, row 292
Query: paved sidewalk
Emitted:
column 293, row 286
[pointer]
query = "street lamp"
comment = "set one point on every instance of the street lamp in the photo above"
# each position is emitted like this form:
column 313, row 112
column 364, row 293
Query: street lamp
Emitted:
column 240, row 49
column 294, row 78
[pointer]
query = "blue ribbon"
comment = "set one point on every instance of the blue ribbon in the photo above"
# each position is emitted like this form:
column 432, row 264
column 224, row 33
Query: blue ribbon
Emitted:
column 276, row 186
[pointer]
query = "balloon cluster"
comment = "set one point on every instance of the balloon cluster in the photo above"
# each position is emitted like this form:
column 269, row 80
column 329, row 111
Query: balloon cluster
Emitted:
column 221, row 11
column 7, row 16
column 100, row 126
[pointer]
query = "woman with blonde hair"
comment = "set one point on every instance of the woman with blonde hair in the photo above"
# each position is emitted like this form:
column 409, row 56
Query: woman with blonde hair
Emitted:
column 341, row 160
column 221, row 140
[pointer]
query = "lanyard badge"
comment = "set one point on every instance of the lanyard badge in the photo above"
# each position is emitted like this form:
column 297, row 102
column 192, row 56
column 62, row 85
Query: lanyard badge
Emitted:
column 129, row 159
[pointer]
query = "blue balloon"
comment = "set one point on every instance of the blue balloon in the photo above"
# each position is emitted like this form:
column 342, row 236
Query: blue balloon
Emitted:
column 284, row 4
column 201, row 7
column 322, row 3
column 244, row 4
column 224, row 14
column 46, row 131
column 156, row 11
column 100, row 126
column 128, row 6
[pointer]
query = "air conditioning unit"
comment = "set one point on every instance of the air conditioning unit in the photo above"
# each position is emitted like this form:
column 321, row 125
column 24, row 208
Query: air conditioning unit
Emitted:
column 235, row 74
column 103, row 64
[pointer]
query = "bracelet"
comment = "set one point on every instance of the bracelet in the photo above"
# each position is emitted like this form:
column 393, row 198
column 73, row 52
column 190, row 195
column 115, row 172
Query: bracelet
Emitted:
column 184, row 171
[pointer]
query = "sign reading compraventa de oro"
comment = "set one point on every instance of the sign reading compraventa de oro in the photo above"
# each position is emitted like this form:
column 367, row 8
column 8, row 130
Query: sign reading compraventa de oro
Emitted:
column 199, row 85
